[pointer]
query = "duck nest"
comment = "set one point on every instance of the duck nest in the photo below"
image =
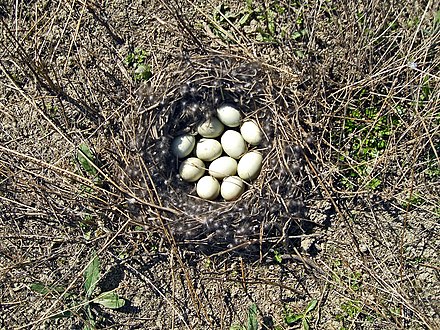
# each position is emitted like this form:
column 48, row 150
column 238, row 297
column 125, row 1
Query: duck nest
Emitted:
column 271, row 211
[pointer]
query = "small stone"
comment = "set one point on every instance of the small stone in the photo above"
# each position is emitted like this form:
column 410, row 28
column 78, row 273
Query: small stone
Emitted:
column 363, row 248
column 307, row 243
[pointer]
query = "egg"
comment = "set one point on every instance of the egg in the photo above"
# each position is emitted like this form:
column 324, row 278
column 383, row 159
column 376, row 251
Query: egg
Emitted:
column 208, row 188
column 191, row 169
column 231, row 188
column 210, row 128
column 208, row 149
column 229, row 116
column 249, row 166
column 182, row 145
column 251, row 132
column 223, row 167
column 233, row 144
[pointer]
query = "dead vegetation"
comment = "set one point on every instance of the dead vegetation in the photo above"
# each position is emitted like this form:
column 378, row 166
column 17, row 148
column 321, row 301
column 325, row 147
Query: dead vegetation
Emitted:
column 354, row 86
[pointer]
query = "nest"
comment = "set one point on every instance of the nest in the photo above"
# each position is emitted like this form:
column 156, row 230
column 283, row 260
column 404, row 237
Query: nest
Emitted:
column 273, row 208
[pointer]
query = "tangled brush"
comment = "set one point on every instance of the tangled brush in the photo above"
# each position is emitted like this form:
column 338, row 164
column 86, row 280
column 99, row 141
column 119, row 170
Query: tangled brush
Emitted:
column 273, row 208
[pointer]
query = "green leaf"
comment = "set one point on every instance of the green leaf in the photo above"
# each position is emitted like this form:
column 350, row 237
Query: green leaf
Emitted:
column 109, row 300
column 40, row 288
column 142, row 72
column 437, row 21
column 141, row 55
column 91, row 276
column 296, row 35
column 236, row 327
column 252, row 318
column 137, row 57
column 129, row 59
column 299, row 53
column 86, row 159
column 244, row 19
column 305, row 324
column 292, row 318
column 311, row 306
column 270, row 21
column 374, row 183
column 90, row 325
column 61, row 315
column 277, row 257
column 44, row 289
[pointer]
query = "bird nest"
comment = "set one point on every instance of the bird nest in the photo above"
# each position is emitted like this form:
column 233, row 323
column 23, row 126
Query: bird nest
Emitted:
column 272, row 210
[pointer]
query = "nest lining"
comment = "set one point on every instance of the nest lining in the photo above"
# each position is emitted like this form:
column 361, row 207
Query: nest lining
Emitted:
column 273, row 206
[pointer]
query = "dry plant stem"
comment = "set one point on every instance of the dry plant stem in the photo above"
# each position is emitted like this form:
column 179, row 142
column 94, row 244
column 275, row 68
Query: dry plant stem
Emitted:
column 181, row 20
column 252, row 281
column 404, row 300
column 75, row 36
column 339, row 212
column 83, row 180
column 173, row 279
column 175, row 250
column 229, row 35
column 56, row 169
column 94, row 7
column 159, row 292
column 75, row 177
column 34, row 105
column 194, row 297
column 47, row 314
column 402, row 236
column 321, row 301
column 41, row 75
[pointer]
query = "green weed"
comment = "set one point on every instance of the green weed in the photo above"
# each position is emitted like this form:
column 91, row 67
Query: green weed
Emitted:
column 414, row 200
column 87, row 224
column 436, row 21
column 351, row 310
column 433, row 169
column 252, row 322
column 304, row 317
column 352, row 282
column 426, row 90
column 83, row 305
column 277, row 257
column 137, row 62
column 44, row 289
column 257, row 21
column 88, row 163
column 341, row 275
column 369, row 131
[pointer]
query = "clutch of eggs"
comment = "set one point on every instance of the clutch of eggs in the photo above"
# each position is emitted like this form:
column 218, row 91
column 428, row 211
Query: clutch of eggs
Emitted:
column 223, row 143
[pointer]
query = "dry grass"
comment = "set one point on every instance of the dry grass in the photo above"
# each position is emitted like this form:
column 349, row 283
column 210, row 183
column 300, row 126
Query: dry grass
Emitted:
column 357, row 96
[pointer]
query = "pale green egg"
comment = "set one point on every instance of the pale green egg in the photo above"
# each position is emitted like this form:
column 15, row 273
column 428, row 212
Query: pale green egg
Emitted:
column 231, row 188
column 182, row 145
column 251, row 132
column 208, row 149
column 229, row 116
column 233, row 144
column 191, row 169
column 210, row 128
column 208, row 188
column 249, row 166
column 223, row 167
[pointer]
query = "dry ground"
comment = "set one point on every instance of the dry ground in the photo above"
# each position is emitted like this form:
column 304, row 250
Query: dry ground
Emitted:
column 360, row 79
